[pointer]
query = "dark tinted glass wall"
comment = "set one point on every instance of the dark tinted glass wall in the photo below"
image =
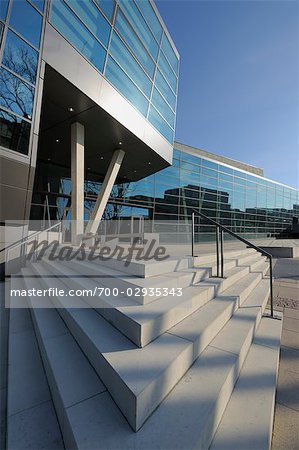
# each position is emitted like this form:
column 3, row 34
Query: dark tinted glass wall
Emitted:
column 247, row 204
column 126, row 42
column 20, row 31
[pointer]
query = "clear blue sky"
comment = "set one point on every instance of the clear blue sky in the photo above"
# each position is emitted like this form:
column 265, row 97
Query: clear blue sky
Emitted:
column 239, row 80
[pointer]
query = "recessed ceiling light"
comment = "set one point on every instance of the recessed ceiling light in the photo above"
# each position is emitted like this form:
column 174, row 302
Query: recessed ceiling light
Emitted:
column 149, row 163
column 101, row 157
column 57, row 141
column 71, row 109
column 135, row 171
column 120, row 143
column 49, row 159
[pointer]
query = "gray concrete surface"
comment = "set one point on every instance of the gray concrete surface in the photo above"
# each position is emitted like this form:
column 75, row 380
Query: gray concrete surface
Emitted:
column 286, row 297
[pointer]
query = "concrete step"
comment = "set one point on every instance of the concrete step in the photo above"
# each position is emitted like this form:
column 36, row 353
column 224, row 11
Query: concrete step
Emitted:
column 143, row 323
column 31, row 418
column 229, row 263
column 128, row 285
column 188, row 417
column 137, row 385
column 143, row 268
column 208, row 258
column 136, row 287
column 254, row 393
column 70, row 376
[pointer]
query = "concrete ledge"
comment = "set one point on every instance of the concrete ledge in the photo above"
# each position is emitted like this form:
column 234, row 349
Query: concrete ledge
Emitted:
column 283, row 252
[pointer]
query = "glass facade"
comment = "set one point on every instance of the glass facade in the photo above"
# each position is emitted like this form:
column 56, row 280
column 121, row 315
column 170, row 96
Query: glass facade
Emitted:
column 127, row 43
column 247, row 204
column 20, row 33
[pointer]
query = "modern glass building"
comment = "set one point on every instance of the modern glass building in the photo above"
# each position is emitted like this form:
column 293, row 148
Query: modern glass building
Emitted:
column 233, row 193
column 112, row 67
column 107, row 65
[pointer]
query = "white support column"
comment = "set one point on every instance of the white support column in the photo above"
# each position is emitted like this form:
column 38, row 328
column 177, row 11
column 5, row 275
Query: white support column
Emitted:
column 77, row 174
column 105, row 192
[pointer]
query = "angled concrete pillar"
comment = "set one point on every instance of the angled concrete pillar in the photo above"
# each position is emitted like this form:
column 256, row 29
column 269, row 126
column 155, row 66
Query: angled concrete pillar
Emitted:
column 105, row 192
column 77, row 175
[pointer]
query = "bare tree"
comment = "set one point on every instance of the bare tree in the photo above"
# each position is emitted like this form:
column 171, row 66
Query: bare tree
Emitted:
column 15, row 93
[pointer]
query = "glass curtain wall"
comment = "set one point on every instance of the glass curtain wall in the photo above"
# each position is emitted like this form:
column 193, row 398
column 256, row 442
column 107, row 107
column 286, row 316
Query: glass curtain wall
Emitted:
column 20, row 32
column 247, row 204
column 128, row 44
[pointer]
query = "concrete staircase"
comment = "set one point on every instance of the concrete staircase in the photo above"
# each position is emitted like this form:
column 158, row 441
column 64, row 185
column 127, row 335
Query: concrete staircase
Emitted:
column 157, row 371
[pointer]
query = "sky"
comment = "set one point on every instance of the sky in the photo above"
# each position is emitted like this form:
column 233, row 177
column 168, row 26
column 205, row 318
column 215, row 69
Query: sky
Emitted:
column 239, row 80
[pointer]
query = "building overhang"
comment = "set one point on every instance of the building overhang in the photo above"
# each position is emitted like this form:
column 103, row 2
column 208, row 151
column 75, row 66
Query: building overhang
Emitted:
column 71, row 82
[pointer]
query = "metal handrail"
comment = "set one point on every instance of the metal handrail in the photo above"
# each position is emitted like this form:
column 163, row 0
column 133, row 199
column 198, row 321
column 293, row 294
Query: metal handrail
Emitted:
column 23, row 240
column 245, row 241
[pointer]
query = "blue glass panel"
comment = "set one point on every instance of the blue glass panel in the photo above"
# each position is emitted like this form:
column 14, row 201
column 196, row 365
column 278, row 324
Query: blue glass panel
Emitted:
column 93, row 18
column 20, row 57
column 191, row 158
column 163, row 107
column 73, row 30
column 27, row 21
column 3, row 9
column 167, row 72
column 159, row 123
column 226, row 169
column 169, row 52
column 140, row 26
column 226, row 177
column 123, row 83
column 151, row 18
column 209, row 172
column 40, row 4
column 134, row 44
column 14, row 132
column 107, row 6
column 209, row 164
column 165, row 89
column 122, row 55
column 16, row 95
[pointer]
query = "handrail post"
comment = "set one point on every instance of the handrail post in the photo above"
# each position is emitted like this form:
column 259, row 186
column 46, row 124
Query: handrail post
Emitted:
column 271, row 286
column 217, row 249
column 221, row 254
column 192, row 233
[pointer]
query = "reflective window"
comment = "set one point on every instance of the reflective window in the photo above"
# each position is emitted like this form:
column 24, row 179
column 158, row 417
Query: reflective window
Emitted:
column 20, row 57
column 40, row 4
column 3, row 9
column 160, row 124
column 93, row 18
column 163, row 107
column 107, row 6
column 14, row 132
column 169, row 52
column 209, row 164
column 134, row 44
column 151, row 18
column 125, row 86
column 26, row 21
column 16, row 95
column 122, row 55
column 73, row 30
column 167, row 72
column 140, row 26
column 165, row 90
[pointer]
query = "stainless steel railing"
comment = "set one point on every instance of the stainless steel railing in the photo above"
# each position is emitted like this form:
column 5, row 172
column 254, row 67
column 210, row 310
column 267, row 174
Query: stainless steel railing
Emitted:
column 220, row 229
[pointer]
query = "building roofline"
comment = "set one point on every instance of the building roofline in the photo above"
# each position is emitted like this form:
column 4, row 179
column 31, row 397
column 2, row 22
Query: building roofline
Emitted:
column 165, row 29
column 222, row 159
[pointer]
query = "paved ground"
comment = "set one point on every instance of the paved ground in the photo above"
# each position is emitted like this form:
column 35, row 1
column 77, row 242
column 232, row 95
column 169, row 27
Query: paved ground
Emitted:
column 286, row 297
